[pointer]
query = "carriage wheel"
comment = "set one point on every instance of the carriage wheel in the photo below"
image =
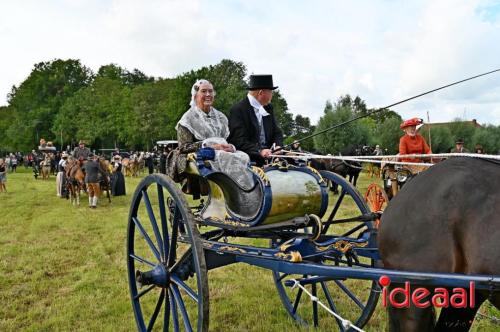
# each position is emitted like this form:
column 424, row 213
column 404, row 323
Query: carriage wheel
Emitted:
column 352, row 299
column 377, row 199
column 166, row 264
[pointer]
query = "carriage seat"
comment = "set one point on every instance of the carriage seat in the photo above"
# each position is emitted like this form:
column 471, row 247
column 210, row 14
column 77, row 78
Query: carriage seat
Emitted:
column 244, row 204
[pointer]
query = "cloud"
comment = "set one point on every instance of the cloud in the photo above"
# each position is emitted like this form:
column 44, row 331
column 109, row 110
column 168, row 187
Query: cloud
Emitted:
column 383, row 51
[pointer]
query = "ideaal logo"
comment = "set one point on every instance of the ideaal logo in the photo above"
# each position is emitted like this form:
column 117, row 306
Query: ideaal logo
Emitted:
column 423, row 298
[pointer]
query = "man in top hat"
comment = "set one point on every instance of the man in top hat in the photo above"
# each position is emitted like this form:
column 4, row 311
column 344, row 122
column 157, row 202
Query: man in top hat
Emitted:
column 459, row 147
column 252, row 125
column 81, row 152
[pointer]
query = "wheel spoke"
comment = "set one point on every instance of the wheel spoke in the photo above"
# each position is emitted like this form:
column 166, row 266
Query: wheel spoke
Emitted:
column 332, row 304
column 152, row 219
column 182, row 307
column 142, row 260
column 163, row 218
column 175, row 318
column 192, row 294
column 166, row 313
column 284, row 275
column 315, row 305
column 297, row 300
column 350, row 294
column 334, row 211
column 357, row 228
column 147, row 238
column 144, row 292
column 173, row 242
column 157, row 311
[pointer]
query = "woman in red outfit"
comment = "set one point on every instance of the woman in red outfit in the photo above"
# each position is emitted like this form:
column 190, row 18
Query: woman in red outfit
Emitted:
column 413, row 143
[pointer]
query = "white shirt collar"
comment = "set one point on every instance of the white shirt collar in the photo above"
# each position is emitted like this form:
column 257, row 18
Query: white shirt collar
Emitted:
column 259, row 109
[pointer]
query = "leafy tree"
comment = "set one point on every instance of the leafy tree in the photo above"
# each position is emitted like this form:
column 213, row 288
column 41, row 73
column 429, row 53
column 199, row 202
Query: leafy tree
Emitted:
column 464, row 130
column 37, row 100
column 342, row 138
column 388, row 133
column 441, row 139
column 489, row 138
column 117, row 73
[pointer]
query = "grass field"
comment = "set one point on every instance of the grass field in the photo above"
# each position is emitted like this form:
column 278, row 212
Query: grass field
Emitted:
column 63, row 268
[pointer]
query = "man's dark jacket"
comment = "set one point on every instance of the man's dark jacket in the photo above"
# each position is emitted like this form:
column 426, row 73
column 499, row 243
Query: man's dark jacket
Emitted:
column 245, row 130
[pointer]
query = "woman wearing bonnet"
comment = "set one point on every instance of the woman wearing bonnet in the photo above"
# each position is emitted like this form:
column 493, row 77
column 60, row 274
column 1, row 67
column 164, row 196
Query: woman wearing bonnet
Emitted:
column 204, row 126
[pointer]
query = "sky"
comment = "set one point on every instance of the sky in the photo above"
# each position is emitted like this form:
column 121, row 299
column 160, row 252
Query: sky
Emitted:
column 381, row 51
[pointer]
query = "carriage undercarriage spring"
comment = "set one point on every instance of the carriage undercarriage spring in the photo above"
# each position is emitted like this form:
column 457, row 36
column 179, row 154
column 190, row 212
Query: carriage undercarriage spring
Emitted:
column 325, row 243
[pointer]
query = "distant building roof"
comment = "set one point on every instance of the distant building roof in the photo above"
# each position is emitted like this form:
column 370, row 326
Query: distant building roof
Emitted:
column 473, row 123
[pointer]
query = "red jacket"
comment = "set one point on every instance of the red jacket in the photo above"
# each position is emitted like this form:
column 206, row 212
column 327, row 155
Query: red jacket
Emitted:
column 413, row 145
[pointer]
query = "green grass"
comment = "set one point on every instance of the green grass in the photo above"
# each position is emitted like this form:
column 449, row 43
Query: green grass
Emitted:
column 63, row 268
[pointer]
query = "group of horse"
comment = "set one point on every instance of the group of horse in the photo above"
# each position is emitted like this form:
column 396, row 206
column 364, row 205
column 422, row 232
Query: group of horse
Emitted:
column 134, row 165
column 75, row 179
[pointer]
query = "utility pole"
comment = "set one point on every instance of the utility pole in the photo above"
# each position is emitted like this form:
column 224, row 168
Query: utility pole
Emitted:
column 429, row 130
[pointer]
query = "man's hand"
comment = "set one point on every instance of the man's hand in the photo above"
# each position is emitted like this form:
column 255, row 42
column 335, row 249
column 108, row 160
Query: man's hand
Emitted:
column 277, row 148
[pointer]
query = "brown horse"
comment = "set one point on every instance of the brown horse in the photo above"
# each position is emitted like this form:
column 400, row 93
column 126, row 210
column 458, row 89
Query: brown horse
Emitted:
column 76, row 180
column 444, row 220
column 105, row 183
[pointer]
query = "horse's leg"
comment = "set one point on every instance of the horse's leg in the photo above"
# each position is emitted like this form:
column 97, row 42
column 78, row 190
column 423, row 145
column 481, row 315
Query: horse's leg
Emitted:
column 410, row 319
column 355, row 179
column 458, row 319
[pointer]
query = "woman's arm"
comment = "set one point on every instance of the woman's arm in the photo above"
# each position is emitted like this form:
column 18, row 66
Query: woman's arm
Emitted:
column 187, row 143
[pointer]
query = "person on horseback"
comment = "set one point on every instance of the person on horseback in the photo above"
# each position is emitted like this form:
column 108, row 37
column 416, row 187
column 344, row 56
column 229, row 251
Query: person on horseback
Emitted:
column 93, row 169
column 81, row 152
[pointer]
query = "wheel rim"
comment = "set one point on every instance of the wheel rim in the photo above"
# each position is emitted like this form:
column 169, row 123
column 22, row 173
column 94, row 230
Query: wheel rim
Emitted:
column 352, row 299
column 166, row 265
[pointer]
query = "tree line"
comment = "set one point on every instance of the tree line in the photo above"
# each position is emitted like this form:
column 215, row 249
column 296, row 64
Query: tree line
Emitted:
column 64, row 101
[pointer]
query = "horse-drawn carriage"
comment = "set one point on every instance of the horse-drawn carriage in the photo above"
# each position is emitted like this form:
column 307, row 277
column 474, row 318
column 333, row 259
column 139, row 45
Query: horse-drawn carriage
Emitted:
column 321, row 249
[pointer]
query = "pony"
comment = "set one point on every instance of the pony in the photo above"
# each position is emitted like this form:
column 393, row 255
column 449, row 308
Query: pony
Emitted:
column 436, row 224
column 134, row 165
column 45, row 166
column 76, row 180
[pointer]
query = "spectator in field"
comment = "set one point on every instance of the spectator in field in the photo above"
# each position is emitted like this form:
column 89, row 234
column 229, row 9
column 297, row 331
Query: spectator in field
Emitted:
column 479, row 149
column 459, row 147
column 92, row 171
column 148, row 161
column 254, row 129
column 60, row 174
column 13, row 162
column 378, row 151
column 3, row 176
column 117, row 178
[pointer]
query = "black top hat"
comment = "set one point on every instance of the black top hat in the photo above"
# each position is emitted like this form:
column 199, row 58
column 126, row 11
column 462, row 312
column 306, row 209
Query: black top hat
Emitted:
column 460, row 141
column 258, row 82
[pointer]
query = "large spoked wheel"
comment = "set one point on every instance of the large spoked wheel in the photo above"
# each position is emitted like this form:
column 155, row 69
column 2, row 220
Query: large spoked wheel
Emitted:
column 352, row 299
column 166, row 264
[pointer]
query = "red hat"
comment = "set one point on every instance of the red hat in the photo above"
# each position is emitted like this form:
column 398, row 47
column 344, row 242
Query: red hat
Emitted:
column 411, row 122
